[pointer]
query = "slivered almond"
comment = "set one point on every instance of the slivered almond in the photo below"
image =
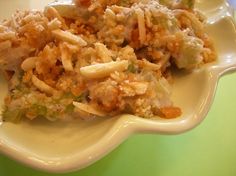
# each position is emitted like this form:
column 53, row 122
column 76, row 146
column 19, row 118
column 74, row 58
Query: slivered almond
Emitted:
column 54, row 24
column 68, row 37
column 103, row 70
column 29, row 63
column 141, row 25
column 103, row 52
column 146, row 64
column 89, row 109
column 52, row 13
column 7, row 35
column 42, row 86
column 66, row 57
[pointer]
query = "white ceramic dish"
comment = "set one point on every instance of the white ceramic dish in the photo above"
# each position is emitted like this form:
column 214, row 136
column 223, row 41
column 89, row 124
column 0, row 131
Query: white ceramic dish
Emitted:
column 58, row 147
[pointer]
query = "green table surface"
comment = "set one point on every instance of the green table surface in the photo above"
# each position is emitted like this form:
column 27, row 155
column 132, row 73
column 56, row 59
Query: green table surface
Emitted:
column 208, row 150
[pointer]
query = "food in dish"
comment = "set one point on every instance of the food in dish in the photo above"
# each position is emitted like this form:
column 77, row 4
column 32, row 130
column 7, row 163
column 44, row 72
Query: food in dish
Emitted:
column 113, row 57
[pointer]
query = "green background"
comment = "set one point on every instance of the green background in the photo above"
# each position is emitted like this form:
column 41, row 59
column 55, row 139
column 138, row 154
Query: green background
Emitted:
column 208, row 150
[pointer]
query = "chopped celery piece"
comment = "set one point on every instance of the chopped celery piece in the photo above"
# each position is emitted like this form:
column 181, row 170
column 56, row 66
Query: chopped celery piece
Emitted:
column 132, row 68
column 39, row 109
column 79, row 98
column 67, row 95
column 14, row 116
column 83, row 96
column 22, row 88
column 69, row 108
